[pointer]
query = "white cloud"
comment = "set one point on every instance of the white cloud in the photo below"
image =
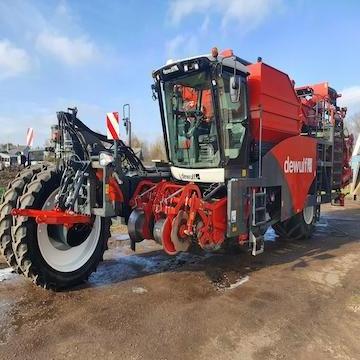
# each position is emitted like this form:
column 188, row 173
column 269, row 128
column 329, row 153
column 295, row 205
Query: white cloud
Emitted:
column 245, row 13
column 351, row 99
column 182, row 45
column 173, row 45
column 205, row 24
column 13, row 60
column 249, row 13
column 179, row 9
column 56, row 31
column 15, row 132
column 62, row 9
column 21, row 17
column 72, row 51
column 14, row 126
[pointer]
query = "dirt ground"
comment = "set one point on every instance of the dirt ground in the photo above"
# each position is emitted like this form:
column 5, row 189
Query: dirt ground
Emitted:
column 7, row 175
column 298, row 300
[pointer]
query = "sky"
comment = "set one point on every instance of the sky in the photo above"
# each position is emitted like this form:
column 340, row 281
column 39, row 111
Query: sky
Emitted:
column 98, row 55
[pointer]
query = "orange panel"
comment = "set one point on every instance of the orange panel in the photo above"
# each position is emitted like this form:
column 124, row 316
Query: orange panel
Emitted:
column 273, row 91
column 296, row 157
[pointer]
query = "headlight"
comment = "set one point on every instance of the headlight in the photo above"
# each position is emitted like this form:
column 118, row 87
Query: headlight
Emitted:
column 105, row 158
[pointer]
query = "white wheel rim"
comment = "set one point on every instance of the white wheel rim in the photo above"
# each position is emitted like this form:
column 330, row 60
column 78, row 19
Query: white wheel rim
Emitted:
column 308, row 214
column 71, row 258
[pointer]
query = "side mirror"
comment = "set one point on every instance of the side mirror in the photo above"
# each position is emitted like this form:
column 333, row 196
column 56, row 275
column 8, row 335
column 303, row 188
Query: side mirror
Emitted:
column 235, row 88
column 154, row 92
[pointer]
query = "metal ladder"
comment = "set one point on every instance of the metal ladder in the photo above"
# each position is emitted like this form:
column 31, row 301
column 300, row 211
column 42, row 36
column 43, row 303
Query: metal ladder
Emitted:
column 213, row 187
column 258, row 208
column 258, row 218
column 325, row 156
column 319, row 170
column 337, row 161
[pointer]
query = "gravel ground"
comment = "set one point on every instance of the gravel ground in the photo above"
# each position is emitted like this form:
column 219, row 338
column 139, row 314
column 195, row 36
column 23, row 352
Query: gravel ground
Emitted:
column 298, row 300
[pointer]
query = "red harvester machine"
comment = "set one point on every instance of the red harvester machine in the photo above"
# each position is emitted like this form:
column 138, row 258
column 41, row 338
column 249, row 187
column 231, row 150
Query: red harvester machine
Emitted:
column 246, row 149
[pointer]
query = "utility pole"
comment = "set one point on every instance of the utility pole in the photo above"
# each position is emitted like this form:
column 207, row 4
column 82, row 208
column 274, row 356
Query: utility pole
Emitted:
column 127, row 122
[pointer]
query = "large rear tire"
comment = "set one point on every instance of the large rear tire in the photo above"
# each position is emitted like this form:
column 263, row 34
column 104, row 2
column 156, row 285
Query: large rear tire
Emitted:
column 9, row 201
column 40, row 249
column 299, row 226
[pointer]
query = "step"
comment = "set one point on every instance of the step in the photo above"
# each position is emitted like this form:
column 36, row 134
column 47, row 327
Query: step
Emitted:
column 254, row 242
column 260, row 223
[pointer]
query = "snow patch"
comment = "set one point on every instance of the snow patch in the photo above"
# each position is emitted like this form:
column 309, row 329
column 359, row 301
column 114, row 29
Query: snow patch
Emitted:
column 121, row 237
column 238, row 282
column 139, row 290
column 6, row 274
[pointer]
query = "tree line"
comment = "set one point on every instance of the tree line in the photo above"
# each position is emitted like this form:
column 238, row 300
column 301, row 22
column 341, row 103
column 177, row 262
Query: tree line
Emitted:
column 154, row 150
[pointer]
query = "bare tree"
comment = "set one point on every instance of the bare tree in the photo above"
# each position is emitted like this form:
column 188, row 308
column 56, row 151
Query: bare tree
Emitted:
column 150, row 151
column 157, row 150
column 136, row 142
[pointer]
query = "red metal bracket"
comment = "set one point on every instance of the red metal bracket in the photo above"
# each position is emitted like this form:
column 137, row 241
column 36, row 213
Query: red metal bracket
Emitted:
column 55, row 217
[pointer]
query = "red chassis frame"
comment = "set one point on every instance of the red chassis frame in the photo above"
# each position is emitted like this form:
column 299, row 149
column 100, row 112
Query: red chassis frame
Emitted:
column 55, row 217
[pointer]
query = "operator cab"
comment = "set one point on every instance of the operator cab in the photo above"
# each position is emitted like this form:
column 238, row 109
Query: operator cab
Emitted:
column 204, row 111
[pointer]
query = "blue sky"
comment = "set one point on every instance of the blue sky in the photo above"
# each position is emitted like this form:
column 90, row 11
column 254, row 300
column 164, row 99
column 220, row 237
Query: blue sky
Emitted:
column 98, row 55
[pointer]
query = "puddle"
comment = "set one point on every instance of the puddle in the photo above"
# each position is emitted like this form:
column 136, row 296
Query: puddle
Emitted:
column 121, row 264
column 34, row 308
column 322, row 223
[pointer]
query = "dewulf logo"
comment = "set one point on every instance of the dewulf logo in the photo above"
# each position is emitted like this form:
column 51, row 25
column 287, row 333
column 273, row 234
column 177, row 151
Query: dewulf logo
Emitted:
column 190, row 177
column 298, row 166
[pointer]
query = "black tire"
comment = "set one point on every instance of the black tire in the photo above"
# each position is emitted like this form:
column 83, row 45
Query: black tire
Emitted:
column 299, row 226
column 26, row 243
column 9, row 201
column 280, row 229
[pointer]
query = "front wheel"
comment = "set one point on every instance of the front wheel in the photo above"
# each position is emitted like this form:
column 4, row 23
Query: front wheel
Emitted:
column 52, row 255
column 9, row 201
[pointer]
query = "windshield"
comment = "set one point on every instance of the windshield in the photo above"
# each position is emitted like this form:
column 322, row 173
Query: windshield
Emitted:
column 190, row 121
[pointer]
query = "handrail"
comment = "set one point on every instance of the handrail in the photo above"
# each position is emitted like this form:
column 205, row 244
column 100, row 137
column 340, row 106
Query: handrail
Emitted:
column 260, row 110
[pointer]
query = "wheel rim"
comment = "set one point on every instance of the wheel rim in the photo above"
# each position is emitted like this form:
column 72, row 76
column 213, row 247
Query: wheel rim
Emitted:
column 178, row 234
column 308, row 214
column 162, row 234
column 62, row 257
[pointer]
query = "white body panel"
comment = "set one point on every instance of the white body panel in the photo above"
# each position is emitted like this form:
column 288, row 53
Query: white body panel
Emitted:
column 199, row 175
